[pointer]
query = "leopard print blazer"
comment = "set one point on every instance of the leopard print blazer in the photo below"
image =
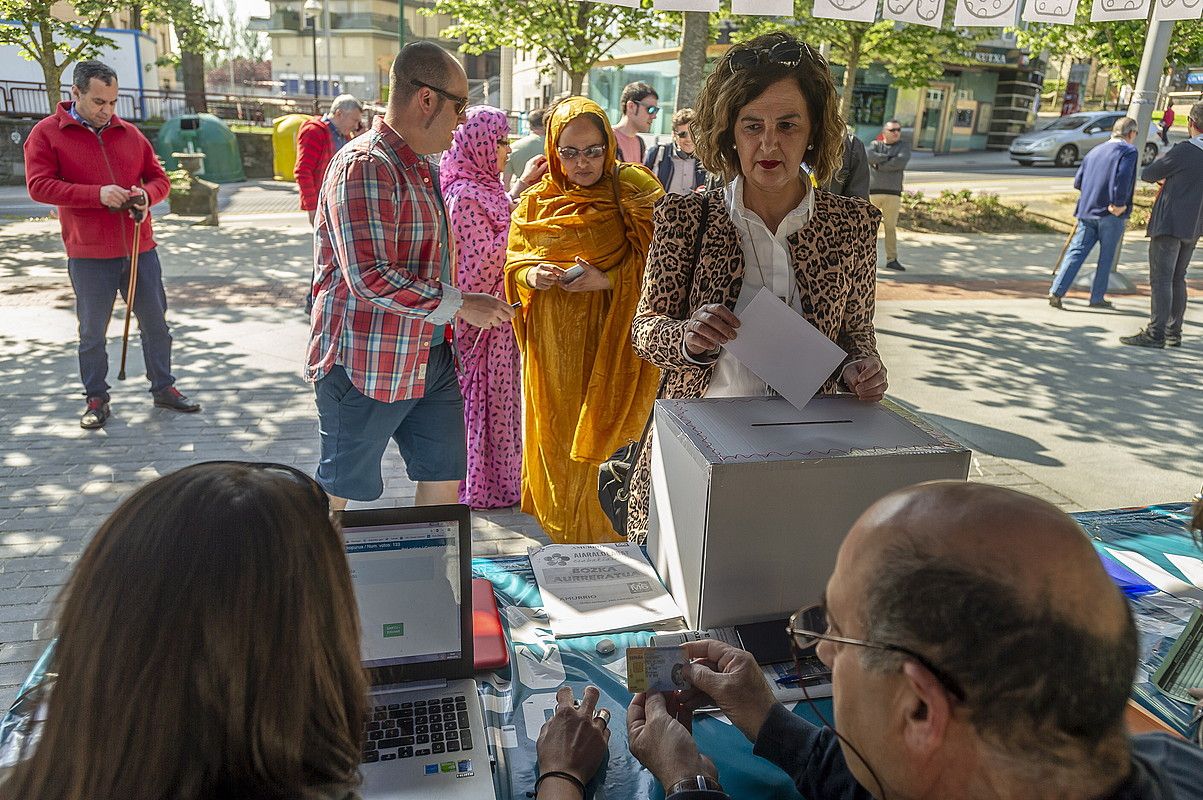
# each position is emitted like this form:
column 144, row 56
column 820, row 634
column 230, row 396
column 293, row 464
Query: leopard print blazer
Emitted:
column 834, row 256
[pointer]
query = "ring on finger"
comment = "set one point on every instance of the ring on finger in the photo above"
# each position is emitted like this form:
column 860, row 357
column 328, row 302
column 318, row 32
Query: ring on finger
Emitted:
column 603, row 715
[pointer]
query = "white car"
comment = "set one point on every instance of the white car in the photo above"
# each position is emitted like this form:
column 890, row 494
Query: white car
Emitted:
column 1065, row 140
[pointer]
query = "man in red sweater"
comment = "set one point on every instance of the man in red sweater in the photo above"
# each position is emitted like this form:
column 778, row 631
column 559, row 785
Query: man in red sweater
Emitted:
column 318, row 139
column 95, row 166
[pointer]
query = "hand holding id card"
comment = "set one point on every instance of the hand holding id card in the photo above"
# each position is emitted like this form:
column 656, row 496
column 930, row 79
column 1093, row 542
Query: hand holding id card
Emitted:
column 656, row 669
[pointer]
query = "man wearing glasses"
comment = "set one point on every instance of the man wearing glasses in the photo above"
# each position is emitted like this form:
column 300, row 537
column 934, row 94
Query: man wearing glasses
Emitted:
column 978, row 650
column 380, row 356
column 674, row 164
column 640, row 105
column 888, row 157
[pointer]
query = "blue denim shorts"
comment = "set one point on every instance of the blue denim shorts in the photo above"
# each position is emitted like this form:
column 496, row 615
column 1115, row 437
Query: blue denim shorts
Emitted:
column 355, row 429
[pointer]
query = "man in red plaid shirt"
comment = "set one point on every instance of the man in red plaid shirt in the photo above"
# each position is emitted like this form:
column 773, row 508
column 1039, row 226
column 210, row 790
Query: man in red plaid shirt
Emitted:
column 380, row 352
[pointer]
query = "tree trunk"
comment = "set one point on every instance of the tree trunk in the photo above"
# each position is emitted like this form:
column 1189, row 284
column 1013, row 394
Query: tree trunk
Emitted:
column 576, row 82
column 193, row 67
column 852, row 63
column 695, row 38
column 52, row 74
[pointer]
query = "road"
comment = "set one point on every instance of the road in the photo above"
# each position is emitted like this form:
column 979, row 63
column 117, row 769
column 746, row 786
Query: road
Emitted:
column 989, row 172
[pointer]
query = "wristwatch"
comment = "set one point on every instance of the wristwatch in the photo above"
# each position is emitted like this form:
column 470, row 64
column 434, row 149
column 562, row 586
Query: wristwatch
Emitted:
column 693, row 784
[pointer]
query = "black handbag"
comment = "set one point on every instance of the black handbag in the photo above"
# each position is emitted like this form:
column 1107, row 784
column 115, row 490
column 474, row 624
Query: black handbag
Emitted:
column 614, row 474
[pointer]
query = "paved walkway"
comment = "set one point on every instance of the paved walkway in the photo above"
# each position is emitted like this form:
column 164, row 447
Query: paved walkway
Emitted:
column 236, row 294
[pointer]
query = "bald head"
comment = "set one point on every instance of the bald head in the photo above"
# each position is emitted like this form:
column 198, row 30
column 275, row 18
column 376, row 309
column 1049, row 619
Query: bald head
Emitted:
column 1006, row 594
column 423, row 62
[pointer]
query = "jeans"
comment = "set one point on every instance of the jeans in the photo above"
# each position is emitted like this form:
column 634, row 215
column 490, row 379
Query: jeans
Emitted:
column 1107, row 232
column 1168, row 260
column 890, row 205
column 96, row 282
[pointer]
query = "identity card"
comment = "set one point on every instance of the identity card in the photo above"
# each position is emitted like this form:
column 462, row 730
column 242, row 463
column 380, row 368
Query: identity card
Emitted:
column 656, row 669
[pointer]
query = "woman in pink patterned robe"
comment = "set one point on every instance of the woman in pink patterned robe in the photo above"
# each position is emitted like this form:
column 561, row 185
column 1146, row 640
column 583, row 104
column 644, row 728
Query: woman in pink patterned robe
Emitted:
column 479, row 209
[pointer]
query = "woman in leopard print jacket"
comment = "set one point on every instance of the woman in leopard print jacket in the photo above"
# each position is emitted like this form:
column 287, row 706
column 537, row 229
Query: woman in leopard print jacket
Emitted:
column 768, row 108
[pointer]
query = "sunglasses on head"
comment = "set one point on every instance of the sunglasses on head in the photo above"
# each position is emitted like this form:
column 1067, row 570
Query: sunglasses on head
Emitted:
column 461, row 103
column 681, row 134
column 788, row 54
column 592, row 153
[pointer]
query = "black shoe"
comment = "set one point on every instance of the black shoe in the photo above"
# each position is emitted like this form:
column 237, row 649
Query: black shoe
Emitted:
column 1054, row 301
column 1142, row 339
column 1173, row 340
column 171, row 398
column 96, row 414
column 1103, row 304
column 894, row 265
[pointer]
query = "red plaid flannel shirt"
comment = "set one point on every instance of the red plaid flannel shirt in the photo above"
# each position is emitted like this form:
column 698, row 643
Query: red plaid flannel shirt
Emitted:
column 378, row 250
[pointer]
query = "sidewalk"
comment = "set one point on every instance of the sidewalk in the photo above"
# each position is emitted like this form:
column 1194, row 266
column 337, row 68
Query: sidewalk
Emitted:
column 248, row 197
column 1034, row 391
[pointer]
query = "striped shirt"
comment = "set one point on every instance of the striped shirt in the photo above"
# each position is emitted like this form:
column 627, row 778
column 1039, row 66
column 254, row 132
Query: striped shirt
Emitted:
column 379, row 246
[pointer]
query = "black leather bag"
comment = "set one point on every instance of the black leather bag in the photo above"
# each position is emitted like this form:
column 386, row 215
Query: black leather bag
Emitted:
column 614, row 474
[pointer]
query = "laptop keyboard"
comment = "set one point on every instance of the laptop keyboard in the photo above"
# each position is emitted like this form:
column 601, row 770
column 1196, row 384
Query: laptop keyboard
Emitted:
column 419, row 728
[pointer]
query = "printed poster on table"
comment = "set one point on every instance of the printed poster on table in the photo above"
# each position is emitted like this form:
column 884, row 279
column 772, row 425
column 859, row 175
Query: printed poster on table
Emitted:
column 1058, row 12
column 916, row 12
column 763, row 8
column 1116, row 10
column 1165, row 10
column 986, row 13
column 685, row 5
column 850, row 10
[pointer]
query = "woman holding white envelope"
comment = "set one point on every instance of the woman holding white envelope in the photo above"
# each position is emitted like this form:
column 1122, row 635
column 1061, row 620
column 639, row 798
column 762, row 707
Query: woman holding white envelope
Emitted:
column 769, row 107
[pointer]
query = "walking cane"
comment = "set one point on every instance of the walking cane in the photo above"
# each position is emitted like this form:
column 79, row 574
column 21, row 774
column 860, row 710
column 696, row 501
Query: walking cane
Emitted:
column 129, row 292
column 1064, row 247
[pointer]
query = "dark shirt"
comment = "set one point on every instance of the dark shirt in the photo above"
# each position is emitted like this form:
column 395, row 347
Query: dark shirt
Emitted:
column 1163, row 767
column 1107, row 177
column 1178, row 211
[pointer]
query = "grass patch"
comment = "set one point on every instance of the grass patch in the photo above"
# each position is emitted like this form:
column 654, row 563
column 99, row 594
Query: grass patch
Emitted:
column 966, row 211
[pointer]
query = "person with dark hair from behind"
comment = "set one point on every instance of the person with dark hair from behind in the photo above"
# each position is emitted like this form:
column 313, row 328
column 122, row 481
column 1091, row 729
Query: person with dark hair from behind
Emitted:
column 640, row 104
column 217, row 655
column 523, row 150
column 101, row 172
column 675, row 164
column 852, row 179
column 978, row 650
column 380, row 354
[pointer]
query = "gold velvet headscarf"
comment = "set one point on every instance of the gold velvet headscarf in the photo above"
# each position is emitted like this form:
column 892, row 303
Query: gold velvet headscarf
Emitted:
column 586, row 393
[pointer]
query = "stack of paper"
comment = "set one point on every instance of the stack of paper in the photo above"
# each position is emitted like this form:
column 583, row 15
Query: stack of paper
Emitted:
column 601, row 588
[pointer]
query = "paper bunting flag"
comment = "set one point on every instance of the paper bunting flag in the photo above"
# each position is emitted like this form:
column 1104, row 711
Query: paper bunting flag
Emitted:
column 916, row 12
column 850, row 10
column 685, row 5
column 627, row 3
column 1164, row 10
column 986, row 13
column 1061, row 12
column 1114, row 10
column 763, row 8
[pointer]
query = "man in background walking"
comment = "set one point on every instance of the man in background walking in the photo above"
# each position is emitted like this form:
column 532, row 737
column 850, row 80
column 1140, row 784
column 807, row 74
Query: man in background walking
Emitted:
column 318, row 139
column 640, row 105
column 526, row 148
column 96, row 167
column 1106, row 180
column 1174, row 229
column 888, row 157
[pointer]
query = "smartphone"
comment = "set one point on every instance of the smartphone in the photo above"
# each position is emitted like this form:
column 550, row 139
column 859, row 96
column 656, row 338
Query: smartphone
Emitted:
column 572, row 273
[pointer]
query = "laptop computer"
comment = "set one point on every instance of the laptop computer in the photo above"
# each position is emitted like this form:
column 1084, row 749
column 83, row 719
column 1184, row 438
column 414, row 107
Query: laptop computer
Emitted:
column 425, row 737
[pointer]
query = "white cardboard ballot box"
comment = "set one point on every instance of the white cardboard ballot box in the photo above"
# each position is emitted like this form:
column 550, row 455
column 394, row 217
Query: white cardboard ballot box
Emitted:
column 752, row 498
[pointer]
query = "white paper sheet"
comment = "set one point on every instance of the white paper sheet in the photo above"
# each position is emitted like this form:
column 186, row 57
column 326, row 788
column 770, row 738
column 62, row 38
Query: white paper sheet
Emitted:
column 1154, row 574
column 783, row 349
column 986, row 13
column 600, row 588
column 1059, row 12
column 1114, row 10
column 685, row 5
column 763, row 8
column 851, row 10
column 627, row 3
column 1177, row 9
column 916, row 12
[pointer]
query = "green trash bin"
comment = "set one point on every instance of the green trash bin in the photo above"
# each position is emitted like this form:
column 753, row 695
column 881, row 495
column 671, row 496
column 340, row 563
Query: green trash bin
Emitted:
column 284, row 145
column 207, row 134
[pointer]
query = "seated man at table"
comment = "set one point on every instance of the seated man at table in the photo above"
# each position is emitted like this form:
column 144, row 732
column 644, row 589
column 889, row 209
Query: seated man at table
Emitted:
column 978, row 650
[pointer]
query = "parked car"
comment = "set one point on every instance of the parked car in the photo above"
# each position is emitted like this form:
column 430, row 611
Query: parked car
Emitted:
column 1065, row 140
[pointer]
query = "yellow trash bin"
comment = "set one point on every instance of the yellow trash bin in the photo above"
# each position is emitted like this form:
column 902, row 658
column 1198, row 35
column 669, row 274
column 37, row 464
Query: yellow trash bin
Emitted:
column 284, row 145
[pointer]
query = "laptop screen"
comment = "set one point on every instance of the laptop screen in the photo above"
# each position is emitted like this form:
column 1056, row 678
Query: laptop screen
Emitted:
column 407, row 582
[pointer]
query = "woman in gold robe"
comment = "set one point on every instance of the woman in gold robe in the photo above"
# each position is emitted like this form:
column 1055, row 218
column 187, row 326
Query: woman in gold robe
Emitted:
column 585, row 392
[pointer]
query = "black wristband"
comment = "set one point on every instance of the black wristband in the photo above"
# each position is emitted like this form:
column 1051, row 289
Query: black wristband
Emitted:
column 557, row 774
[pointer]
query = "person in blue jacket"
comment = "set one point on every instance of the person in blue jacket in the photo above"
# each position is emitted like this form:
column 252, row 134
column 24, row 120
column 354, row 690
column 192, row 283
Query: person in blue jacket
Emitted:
column 1106, row 180
column 978, row 650
column 674, row 164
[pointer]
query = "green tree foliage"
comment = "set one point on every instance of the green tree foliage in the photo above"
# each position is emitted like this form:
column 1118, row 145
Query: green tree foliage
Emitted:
column 915, row 55
column 1117, row 45
column 54, row 43
column 569, row 35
